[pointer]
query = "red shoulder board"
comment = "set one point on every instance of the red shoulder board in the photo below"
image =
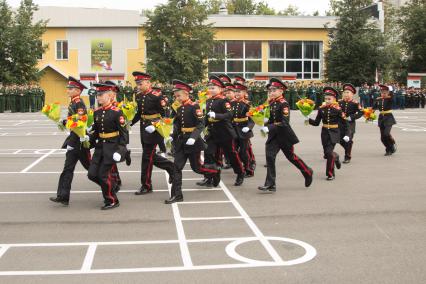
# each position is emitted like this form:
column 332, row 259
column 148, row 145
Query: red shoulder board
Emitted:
column 156, row 93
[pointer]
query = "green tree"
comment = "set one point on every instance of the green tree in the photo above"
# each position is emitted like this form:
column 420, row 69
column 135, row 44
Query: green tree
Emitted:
column 262, row 8
column 291, row 10
column 6, row 24
column 355, row 45
column 413, row 36
column 179, row 41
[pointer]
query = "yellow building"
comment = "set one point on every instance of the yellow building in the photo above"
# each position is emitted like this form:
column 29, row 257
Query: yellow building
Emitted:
column 109, row 44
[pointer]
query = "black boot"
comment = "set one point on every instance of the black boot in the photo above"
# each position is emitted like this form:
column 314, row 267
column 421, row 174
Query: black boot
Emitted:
column 308, row 179
column 59, row 200
column 240, row 179
column 110, row 206
column 267, row 188
column 216, row 179
column 338, row 164
column 143, row 191
column 174, row 199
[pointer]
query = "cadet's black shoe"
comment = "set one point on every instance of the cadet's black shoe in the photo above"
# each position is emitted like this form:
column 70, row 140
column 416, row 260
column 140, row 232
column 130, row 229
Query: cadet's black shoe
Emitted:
column 338, row 164
column 110, row 206
column 204, row 182
column 330, row 178
column 174, row 199
column 308, row 179
column 240, row 179
column 346, row 161
column 267, row 188
column 119, row 182
column 265, row 166
column 248, row 175
column 388, row 153
column 143, row 191
column 227, row 166
column 128, row 158
column 216, row 179
column 59, row 200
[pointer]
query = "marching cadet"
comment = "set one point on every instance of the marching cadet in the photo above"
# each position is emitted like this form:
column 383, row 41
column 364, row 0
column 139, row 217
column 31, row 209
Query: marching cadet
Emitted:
column 331, row 115
column 151, row 107
column 188, row 125
column 73, row 144
column 109, row 136
column 243, row 126
column 280, row 136
column 386, row 119
column 352, row 111
column 220, row 134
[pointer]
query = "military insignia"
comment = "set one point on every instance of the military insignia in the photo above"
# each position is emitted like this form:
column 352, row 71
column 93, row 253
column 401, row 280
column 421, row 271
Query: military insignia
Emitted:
column 122, row 120
column 199, row 112
column 228, row 105
column 285, row 111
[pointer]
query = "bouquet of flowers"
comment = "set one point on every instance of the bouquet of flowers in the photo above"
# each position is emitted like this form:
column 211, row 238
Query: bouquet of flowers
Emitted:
column 164, row 126
column 53, row 112
column 202, row 98
column 129, row 109
column 306, row 106
column 78, row 124
column 369, row 114
column 259, row 114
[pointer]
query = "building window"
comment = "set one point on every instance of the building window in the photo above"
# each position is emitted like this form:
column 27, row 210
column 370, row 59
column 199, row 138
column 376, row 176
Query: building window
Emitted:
column 301, row 57
column 236, row 58
column 61, row 50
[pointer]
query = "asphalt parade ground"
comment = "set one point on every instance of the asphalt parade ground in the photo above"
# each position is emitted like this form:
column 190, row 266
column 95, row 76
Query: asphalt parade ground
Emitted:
column 366, row 226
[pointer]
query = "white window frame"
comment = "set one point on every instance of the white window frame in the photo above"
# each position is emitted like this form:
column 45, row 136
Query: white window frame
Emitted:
column 302, row 59
column 56, row 50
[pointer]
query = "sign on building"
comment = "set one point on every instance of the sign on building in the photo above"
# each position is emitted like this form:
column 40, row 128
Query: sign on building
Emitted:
column 101, row 55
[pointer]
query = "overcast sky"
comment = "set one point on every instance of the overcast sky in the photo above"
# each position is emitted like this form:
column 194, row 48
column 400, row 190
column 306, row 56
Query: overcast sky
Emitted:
column 306, row 6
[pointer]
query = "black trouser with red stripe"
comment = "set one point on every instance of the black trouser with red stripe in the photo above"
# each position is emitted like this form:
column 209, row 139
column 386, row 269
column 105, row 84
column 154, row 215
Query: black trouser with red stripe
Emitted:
column 386, row 137
column 196, row 165
column 272, row 150
column 149, row 159
column 244, row 153
column 330, row 155
column 229, row 149
column 101, row 174
column 67, row 175
column 251, row 155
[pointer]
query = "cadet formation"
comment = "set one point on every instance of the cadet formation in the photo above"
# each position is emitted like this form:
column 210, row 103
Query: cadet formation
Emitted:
column 222, row 129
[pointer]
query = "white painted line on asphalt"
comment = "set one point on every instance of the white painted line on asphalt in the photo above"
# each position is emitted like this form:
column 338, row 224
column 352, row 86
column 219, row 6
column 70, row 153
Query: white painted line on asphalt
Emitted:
column 37, row 161
column 275, row 256
column 16, row 152
column 98, row 191
column 184, row 250
column 204, row 202
column 3, row 249
column 212, row 218
column 88, row 259
column 19, row 123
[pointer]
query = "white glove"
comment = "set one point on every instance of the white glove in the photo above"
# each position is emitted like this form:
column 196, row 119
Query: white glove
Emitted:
column 346, row 139
column 264, row 129
column 212, row 114
column 245, row 129
column 89, row 129
column 169, row 139
column 116, row 157
column 150, row 129
column 190, row 141
column 84, row 139
column 349, row 118
column 265, row 119
column 69, row 148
